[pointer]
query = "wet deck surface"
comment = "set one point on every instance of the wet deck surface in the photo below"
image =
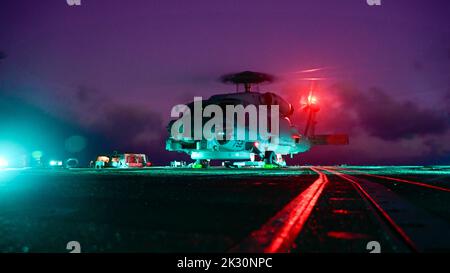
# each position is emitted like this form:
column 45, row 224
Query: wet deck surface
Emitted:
column 187, row 210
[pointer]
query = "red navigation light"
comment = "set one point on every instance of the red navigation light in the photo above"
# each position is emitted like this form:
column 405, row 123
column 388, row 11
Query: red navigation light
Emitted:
column 256, row 144
column 312, row 99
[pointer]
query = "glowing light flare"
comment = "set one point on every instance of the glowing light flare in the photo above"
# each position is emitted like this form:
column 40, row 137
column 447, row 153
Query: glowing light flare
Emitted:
column 55, row 163
column 312, row 99
column 37, row 154
column 75, row 144
column 309, row 101
column 314, row 69
column 312, row 79
column 3, row 162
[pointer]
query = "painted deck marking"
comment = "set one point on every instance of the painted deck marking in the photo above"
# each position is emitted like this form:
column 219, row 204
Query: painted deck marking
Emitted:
column 397, row 179
column 280, row 232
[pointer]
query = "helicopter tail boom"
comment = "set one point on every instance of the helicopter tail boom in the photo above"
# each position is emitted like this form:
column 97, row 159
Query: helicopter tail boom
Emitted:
column 336, row 139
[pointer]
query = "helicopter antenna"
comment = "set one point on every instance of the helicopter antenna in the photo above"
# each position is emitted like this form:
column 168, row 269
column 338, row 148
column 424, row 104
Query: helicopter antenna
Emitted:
column 247, row 78
column 309, row 105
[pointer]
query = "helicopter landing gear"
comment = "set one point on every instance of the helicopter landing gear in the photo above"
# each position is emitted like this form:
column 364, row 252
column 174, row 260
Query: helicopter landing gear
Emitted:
column 228, row 165
column 201, row 164
column 270, row 158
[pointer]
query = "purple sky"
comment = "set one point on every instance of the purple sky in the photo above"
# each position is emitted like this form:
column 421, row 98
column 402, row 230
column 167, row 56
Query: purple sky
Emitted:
column 109, row 65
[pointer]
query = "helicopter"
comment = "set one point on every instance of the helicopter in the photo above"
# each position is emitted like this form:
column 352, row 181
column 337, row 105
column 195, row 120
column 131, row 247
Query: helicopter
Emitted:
column 265, row 148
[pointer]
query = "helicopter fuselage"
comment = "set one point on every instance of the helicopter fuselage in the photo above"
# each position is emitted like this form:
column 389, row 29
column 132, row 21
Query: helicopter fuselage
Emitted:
column 281, row 138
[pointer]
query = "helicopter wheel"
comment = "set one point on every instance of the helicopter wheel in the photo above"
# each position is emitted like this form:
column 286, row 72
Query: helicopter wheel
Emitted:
column 228, row 164
column 270, row 157
column 204, row 163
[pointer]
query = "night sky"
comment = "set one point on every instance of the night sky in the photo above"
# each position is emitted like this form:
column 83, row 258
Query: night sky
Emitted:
column 77, row 81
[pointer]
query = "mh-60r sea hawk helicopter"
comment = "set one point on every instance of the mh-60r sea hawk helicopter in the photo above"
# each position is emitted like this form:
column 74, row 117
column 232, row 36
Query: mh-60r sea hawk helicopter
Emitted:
column 254, row 149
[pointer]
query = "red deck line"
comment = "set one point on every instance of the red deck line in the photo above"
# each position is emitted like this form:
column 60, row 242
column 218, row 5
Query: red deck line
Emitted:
column 396, row 227
column 400, row 180
column 279, row 233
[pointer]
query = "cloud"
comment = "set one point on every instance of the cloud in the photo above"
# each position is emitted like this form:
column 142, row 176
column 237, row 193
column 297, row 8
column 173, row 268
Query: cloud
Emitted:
column 104, row 125
column 380, row 115
column 84, row 94
column 128, row 127
column 382, row 129
column 35, row 128
column 447, row 103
